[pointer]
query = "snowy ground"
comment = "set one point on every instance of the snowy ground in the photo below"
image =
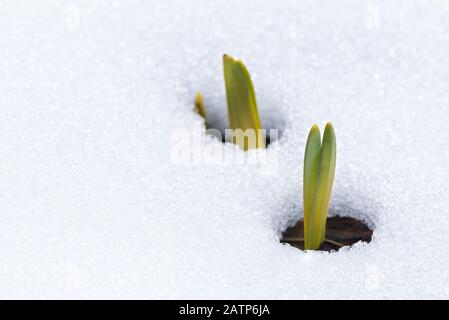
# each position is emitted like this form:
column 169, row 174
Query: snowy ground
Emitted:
column 93, row 203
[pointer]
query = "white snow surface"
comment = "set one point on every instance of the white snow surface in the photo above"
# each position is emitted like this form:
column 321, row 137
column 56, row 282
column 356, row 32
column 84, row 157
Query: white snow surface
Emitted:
column 92, row 204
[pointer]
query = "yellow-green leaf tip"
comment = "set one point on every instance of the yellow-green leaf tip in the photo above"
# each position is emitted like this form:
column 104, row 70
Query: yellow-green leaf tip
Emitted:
column 242, row 106
column 199, row 107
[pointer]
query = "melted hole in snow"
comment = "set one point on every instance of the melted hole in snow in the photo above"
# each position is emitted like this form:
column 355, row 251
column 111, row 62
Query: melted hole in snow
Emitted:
column 340, row 232
column 217, row 123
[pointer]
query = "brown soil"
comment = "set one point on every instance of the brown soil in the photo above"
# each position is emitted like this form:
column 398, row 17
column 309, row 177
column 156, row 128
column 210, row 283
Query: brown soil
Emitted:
column 340, row 232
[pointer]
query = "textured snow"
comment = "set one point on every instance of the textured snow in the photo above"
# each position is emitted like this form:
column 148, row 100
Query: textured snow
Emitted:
column 94, row 205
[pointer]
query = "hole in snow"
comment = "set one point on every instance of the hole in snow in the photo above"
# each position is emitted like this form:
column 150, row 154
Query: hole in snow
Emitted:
column 270, row 124
column 217, row 121
column 340, row 232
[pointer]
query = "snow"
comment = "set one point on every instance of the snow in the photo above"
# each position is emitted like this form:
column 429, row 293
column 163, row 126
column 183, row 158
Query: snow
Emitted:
column 95, row 95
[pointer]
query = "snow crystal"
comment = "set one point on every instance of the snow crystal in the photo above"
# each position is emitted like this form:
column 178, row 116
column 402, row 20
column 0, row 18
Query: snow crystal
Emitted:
column 94, row 204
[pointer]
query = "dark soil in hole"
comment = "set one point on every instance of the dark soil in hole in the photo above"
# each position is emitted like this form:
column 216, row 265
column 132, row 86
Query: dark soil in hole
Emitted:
column 340, row 232
column 267, row 138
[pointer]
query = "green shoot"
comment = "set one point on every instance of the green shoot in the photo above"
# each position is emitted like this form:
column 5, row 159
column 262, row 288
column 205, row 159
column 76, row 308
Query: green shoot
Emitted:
column 319, row 171
column 200, row 108
column 242, row 106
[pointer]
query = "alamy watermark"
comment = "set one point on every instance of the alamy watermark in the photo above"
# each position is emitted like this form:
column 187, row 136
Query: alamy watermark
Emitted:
column 372, row 21
column 196, row 146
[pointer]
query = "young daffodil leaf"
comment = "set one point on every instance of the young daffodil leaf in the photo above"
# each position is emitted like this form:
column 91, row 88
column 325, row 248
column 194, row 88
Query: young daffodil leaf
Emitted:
column 319, row 171
column 200, row 108
column 242, row 106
